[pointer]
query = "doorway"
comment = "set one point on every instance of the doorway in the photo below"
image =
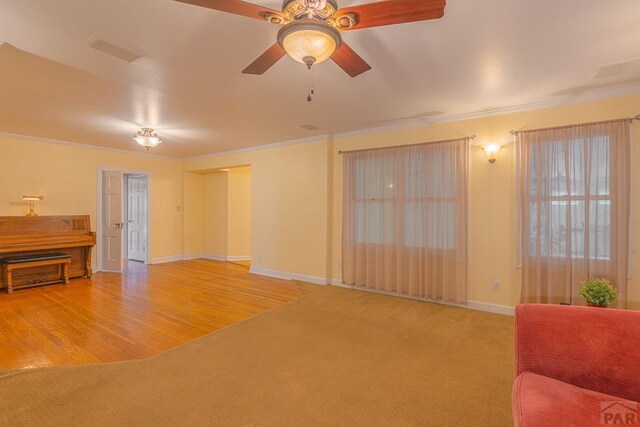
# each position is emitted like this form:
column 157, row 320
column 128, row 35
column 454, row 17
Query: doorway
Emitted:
column 122, row 220
column 227, row 225
column 135, row 199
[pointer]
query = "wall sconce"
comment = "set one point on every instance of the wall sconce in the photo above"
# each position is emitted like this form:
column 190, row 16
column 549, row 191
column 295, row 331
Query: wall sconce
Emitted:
column 491, row 151
column 32, row 200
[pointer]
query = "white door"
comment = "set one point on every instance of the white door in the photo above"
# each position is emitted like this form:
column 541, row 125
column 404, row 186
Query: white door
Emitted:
column 137, row 217
column 112, row 221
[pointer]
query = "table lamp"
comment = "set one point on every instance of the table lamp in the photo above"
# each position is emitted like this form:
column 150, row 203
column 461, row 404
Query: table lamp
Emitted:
column 32, row 200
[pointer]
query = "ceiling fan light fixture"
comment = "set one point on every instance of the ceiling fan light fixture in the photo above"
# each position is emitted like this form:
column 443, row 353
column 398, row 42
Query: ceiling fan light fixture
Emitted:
column 147, row 138
column 309, row 41
column 315, row 4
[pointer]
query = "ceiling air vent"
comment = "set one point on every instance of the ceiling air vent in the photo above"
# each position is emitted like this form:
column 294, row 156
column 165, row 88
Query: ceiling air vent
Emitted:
column 123, row 53
column 309, row 127
column 613, row 68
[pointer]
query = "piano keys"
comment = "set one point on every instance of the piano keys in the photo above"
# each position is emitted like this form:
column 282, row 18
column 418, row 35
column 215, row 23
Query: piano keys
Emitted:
column 68, row 234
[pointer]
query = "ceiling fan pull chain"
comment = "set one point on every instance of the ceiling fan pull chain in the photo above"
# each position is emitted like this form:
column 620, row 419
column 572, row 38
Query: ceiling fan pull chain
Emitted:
column 311, row 91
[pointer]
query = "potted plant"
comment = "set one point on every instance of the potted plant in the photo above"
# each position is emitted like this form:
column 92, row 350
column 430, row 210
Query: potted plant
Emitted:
column 598, row 292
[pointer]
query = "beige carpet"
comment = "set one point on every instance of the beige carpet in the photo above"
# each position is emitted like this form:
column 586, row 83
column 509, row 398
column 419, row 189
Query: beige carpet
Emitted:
column 332, row 357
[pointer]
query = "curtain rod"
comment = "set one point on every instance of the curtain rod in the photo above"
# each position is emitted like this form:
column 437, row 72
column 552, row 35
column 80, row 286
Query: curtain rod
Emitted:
column 630, row 119
column 468, row 138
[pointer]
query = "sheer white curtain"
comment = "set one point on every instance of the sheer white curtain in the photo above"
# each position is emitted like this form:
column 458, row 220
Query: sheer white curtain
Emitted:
column 405, row 220
column 573, row 186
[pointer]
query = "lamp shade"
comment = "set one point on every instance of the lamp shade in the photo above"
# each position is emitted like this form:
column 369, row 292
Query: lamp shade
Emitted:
column 491, row 151
column 32, row 200
column 309, row 41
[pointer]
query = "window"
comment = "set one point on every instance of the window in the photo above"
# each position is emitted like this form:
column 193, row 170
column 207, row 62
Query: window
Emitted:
column 375, row 199
column 414, row 190
column 405, row 220
column 573, row 185
column 570, row 201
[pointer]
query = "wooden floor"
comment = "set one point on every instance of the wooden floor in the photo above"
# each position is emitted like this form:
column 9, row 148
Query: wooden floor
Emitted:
column 133, row 315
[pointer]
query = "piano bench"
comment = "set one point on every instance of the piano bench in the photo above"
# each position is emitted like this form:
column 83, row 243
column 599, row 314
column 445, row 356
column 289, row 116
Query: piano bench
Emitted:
column 26, row 261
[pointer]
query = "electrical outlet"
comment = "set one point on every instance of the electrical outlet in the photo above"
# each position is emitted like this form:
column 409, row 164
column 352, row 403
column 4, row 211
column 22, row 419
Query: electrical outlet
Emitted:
column 339, row 264
column 259, row 260
column 496, row 286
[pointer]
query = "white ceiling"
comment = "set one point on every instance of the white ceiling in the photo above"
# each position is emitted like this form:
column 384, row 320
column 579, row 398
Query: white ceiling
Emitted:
column 482, row 56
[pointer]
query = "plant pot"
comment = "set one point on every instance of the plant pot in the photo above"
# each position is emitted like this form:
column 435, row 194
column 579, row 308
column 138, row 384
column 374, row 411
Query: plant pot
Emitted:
column 596, row 305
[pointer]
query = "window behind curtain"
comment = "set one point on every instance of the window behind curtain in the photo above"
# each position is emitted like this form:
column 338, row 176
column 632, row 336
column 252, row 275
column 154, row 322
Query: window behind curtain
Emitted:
column 425, row 204
column 574, row 202
column 405, row 220
column 574, row 207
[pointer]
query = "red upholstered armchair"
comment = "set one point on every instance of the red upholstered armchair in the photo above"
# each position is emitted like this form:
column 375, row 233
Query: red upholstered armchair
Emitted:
column 576, row 366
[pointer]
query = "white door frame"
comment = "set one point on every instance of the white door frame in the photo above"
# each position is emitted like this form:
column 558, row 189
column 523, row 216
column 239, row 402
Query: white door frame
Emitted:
column 112, row 221
column 125, row 211
column 102, row 169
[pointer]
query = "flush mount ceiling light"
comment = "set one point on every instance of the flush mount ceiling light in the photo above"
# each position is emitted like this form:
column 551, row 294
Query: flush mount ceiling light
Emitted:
column 147, row 138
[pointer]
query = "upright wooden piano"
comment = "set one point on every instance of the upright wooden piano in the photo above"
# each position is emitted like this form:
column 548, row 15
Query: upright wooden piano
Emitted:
column 42, row 235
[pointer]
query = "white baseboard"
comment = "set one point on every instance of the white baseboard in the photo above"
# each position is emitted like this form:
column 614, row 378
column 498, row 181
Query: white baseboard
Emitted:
column 215, row 257
column 239, row 258
column 474, row 305
column 491, row 308
column 206, row 255
column 287, row 275
column 192, row 256
column 163, row 259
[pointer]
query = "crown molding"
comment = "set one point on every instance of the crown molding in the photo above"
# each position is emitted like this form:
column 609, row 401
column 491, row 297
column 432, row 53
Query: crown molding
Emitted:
column 409, row 124
column 85, row 146
column 261, row 147
column 595, row 96
column 417, row 123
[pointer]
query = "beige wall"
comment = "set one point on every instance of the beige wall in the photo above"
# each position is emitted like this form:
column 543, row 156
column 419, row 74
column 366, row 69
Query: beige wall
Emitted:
column 239, row 236
column 193, row 214
column 296, row 195
column 289, row 205
column 492, row 207
column 225, row 217
column 215, row 217
column 66, row 175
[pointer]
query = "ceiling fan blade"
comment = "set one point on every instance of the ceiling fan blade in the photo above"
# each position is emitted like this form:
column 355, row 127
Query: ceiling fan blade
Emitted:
column 266, row 60
column 236, row 7
column 349, row 61
column 392, row 12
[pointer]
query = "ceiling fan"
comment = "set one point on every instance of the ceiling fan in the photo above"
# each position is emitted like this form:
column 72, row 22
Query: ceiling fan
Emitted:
column 310, row 31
